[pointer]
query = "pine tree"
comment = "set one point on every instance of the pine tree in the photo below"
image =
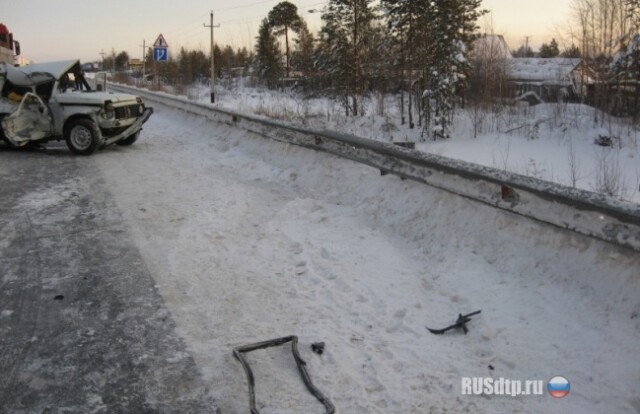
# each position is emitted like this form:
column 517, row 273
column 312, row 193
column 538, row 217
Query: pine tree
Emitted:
column 227, row 59
column 333, row 55
column 625, row 67
column 344, row 40
column 121, row 60
column 244, row 58
column 435, row 36
column 523, row 52
column 571, row 52
column 302, row 59
column 625, row 70
column 404, row 19
column 267, row 60
column 184, row 65
column 550, row 50
column 450, row 25
column 282, row 18
column 217, row 57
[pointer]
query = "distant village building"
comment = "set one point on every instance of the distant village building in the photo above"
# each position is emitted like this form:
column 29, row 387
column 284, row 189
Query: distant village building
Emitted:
column 550, row 79
column 532, row 79
column 135, row 64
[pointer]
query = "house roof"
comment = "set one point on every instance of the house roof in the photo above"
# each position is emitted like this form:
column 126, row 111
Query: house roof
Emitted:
column 554, row 70
column 491, row 45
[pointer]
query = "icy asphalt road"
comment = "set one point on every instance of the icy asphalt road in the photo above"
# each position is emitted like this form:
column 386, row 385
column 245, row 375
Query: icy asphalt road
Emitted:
column 82, row 327
column 199, row 238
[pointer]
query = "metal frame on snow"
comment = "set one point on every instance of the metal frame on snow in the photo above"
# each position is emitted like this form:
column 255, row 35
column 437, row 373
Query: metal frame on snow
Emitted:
column 241, row 350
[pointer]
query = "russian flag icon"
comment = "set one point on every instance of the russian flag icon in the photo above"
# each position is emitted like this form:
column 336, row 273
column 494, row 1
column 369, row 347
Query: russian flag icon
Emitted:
column 558, row 387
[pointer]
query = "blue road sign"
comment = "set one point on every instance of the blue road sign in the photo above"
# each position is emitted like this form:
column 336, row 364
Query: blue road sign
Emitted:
column 160, row 54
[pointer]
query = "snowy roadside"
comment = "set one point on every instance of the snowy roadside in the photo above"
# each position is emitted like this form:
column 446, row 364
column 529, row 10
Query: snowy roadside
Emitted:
column 553, row 142
column 250, row 239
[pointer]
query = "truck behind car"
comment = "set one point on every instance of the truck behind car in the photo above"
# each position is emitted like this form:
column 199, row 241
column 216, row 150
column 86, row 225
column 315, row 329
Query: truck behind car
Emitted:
column 9, row 48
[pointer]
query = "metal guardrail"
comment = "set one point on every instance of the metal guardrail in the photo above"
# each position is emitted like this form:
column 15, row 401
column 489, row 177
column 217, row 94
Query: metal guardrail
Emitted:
column 580, row 211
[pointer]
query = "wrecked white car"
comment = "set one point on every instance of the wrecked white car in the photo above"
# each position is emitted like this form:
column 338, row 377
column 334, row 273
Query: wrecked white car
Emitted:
column 53, row 101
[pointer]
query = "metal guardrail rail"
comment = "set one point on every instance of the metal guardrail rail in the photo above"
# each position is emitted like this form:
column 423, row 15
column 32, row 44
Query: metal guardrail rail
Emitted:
column 580, row 211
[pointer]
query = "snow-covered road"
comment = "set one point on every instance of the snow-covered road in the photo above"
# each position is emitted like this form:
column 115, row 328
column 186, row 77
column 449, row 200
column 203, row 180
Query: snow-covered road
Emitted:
column 248, row 240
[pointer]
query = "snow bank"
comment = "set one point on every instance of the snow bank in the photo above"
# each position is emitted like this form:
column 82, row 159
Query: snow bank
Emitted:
column 588, row 213
column 251, row 239
column 554, row 142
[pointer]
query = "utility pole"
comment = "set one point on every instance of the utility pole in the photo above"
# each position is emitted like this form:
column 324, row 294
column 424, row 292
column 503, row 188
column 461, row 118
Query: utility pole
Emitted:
column 102, row 53
column 212, row 82
column 144, row 58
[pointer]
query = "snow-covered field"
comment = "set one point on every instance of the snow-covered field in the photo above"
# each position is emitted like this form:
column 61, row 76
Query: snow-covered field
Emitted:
column 249, row 239
column 553, row 142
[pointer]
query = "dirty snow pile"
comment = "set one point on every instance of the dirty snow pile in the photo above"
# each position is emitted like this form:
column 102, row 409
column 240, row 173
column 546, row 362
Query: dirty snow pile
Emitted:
column 250, row 239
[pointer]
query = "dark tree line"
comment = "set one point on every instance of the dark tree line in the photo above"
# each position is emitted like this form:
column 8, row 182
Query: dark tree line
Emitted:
column 420, row 49
column 417, row 46
column 116, row 62
column 189, row 66
column 433, row 39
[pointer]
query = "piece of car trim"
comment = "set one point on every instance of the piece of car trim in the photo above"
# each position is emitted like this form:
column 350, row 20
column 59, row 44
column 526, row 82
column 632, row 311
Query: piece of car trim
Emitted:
column 239, row 351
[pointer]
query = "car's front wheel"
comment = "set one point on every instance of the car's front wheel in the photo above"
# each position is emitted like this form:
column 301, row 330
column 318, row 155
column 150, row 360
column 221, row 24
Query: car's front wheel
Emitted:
column 83, row 136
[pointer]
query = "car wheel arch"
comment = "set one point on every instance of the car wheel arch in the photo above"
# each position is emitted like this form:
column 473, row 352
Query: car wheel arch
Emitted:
column 70, row 120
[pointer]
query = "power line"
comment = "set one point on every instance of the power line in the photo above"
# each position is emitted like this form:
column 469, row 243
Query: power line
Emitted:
column 188, row 26
column 245, row 19
column 324, row 3
column 246, row 5
column 187, row 32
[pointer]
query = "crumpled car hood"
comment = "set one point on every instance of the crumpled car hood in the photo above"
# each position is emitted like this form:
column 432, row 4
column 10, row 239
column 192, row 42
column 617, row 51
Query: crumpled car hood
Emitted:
column 95, row 98
column 19, row 77
column 55, row 69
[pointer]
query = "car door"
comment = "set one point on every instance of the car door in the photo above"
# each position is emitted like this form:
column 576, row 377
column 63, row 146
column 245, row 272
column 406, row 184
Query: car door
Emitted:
column 32, row 121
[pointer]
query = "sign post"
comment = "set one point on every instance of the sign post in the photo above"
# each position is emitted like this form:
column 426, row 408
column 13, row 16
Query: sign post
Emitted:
column 160, row 50
column 160, row 54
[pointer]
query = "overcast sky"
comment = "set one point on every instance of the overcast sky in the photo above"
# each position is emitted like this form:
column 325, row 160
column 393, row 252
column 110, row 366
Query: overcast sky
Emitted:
column 63, row 29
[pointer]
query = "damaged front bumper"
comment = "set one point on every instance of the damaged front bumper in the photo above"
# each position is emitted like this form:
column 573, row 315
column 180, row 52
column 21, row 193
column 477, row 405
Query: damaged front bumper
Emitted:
column 134, row 128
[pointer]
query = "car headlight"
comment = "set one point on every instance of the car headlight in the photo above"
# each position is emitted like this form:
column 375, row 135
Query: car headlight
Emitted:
column 109, row 110
column 141, row 109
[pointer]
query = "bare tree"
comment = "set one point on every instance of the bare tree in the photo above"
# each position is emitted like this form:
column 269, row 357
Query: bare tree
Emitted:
column 602, row 23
